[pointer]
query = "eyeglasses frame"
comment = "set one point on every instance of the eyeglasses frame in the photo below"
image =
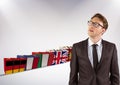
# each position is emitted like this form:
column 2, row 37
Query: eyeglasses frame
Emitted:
column 93, row 24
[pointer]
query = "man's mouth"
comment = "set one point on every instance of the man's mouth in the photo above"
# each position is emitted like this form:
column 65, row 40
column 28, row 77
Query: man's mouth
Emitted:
column 91, row 30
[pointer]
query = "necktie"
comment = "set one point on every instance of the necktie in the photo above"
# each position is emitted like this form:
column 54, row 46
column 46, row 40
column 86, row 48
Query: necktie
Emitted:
column 95, row 56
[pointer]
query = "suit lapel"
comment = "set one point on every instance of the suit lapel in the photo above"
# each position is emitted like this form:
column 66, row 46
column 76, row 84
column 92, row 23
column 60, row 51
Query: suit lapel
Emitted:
column 86, row 53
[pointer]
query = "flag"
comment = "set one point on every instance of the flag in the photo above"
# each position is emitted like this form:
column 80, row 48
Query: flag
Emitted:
column 22, row 64
column 69, row 49
column 54, row 57
column 57, row 57
column 45, row 57
column 51, row 58
column 64, row 56
column 69, row 53
column 35, row 62
column 29, row 61
column 8, row 64
column 16, row 64
column 40, row 58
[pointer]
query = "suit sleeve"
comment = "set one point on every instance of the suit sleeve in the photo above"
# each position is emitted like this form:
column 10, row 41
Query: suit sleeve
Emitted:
column 73, row 80
column 114, row 77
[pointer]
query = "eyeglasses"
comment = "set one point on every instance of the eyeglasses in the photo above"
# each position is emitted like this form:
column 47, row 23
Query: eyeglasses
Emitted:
column 95, row 24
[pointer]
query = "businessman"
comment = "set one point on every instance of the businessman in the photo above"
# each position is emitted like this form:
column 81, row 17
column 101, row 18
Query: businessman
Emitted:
column 94, row 61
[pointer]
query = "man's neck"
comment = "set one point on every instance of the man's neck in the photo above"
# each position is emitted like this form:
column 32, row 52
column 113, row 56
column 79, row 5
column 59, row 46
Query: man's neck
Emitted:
column 95, row 40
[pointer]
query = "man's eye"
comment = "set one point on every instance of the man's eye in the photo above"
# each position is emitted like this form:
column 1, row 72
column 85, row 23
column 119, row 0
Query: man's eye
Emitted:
column 96, row 24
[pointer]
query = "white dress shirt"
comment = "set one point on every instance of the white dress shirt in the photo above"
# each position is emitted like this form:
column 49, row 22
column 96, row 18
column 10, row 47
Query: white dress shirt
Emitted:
column 99, row 50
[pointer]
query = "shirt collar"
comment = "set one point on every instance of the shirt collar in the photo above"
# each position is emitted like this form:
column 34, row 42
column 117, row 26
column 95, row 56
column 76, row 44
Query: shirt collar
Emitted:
column 90, row 43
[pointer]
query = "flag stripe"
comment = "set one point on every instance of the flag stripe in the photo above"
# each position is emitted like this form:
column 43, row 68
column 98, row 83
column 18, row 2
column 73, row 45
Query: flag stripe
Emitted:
column 45, row 59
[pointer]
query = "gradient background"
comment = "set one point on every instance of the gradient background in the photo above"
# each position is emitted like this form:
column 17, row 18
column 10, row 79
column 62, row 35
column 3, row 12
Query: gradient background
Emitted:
column 40, row 25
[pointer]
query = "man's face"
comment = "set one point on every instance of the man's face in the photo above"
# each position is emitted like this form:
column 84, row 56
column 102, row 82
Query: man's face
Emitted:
column 95, row 28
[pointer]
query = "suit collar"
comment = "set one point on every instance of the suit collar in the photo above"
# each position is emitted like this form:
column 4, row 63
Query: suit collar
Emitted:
column 90, row 43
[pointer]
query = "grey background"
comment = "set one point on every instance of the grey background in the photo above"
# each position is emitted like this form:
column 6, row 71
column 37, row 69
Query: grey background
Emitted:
column 40, row 25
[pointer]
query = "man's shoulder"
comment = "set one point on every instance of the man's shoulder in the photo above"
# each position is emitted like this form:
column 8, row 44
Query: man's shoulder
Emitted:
column 108, row 42
column 82, row 42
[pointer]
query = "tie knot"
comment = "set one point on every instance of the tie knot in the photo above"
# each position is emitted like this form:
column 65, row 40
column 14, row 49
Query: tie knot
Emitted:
column 94, row 45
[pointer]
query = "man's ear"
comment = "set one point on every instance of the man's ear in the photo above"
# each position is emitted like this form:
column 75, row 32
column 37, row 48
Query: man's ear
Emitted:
column 103, row 31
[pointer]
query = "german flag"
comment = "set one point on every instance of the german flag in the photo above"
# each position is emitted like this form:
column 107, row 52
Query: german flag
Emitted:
column 16, row 64
column 8, row 65
column 22, row 64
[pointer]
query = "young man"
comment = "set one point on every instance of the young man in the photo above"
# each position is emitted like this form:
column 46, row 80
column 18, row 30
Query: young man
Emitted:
column 94, row 60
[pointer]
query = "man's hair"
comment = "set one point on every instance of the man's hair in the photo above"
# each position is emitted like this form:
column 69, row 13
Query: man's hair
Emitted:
column 102, row 18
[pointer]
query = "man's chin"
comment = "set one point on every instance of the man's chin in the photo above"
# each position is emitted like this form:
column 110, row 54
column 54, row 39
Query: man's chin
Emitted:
column 90, row 35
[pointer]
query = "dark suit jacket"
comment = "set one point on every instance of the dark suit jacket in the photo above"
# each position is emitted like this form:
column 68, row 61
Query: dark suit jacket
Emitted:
column 81, row 71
